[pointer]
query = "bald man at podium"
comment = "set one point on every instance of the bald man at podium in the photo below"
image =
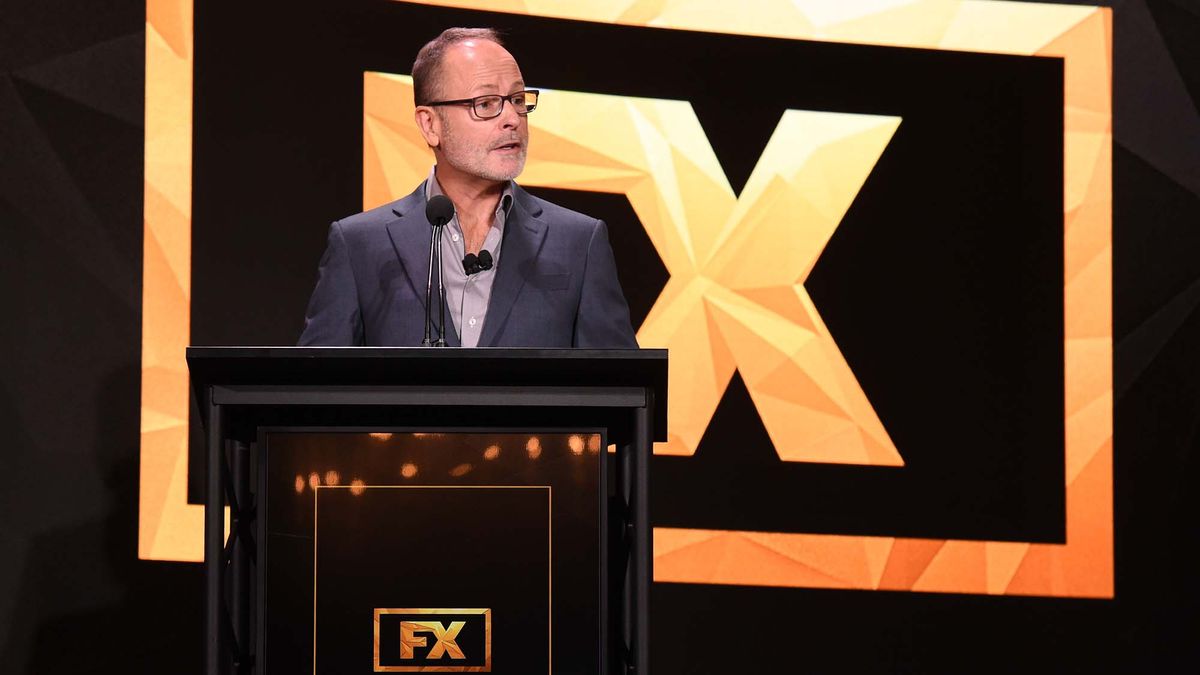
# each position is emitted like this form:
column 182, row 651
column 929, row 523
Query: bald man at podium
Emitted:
column 517, row 271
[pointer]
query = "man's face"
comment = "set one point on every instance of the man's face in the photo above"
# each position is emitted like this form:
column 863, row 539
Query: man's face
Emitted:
column 492, row 149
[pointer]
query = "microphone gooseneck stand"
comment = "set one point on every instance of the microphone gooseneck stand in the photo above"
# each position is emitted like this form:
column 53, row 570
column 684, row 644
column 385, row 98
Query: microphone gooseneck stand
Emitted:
column 428, row 341
column 439, row 211
column 441, row 340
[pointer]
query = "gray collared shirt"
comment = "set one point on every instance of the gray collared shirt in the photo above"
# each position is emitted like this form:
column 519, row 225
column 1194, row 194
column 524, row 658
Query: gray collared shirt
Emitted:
column 467, row 297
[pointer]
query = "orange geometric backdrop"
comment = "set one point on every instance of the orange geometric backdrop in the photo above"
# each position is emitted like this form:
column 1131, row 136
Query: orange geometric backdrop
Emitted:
column 757, row 319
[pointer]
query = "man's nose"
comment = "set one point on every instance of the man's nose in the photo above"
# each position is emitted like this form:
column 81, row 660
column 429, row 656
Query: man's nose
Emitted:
column 509, row 119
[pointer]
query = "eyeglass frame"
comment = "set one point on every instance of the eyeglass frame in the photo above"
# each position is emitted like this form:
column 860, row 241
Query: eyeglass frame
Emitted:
column 503, row 99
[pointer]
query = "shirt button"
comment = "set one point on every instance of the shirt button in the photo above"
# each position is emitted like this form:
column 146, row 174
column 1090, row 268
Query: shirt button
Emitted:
column 454, row 236
column 472, row 321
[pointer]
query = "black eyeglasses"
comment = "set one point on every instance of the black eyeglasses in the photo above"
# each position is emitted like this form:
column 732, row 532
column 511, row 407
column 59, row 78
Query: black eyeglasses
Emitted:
column 491, row 105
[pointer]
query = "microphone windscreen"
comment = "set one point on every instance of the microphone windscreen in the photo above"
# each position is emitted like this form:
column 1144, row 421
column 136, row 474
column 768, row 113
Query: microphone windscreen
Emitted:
column 469, row 263
column 485, row 260
column 439, row 210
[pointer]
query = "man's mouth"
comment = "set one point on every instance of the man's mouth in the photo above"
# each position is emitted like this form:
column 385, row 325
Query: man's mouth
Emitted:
column 511, row 146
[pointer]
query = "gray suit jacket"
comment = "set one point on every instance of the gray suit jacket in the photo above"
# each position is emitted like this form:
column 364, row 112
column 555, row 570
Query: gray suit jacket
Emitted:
column 556, row 282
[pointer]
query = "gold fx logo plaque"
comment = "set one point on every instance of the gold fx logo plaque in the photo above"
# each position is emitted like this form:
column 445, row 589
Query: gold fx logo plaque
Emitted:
column 429, row 640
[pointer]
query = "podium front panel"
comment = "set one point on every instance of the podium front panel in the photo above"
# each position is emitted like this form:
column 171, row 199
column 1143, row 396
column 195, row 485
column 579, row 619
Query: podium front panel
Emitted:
column 388, row 550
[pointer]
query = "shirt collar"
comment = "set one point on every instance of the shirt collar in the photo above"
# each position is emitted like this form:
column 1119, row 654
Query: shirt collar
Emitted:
column 432, row 189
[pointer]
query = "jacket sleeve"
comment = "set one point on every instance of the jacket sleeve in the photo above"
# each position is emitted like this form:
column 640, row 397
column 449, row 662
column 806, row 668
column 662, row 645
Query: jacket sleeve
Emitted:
column 603, row 318
column 333, row 318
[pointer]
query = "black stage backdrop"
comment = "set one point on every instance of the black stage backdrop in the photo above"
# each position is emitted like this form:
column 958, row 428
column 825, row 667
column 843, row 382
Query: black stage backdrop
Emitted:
column 278, row 154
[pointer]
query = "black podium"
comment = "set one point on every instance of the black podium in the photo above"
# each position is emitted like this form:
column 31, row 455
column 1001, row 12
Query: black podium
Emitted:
column 444, row 510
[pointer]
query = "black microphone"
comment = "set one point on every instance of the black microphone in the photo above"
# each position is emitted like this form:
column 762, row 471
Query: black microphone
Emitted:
column 439, row 211
column 474, row 264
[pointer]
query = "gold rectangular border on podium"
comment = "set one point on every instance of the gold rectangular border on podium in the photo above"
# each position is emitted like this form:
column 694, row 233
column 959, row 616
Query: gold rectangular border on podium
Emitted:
column 485, row 612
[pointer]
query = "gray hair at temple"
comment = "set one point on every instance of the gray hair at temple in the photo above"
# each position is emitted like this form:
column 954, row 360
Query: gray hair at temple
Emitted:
column 425, row 70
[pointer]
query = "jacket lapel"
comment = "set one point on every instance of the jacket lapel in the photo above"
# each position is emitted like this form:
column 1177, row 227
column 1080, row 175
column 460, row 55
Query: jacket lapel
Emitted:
column 452, row 339
column 524, row 233
column 410, row 232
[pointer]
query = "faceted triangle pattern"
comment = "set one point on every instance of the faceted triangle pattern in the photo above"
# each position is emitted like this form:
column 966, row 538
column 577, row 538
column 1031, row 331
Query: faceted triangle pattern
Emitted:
column 168, row 528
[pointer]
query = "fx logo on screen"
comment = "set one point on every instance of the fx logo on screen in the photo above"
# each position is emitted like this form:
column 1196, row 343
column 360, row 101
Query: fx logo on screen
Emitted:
column 443, row 640
column 835, row 261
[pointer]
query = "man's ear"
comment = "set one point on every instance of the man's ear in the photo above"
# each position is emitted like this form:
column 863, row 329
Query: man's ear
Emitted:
column 429, row 124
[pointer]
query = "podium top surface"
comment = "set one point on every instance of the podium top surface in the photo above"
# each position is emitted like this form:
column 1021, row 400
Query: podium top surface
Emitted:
column 426, row 366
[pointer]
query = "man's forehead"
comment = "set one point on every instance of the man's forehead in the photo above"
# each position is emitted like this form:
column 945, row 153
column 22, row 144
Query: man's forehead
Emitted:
column 475, row 62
